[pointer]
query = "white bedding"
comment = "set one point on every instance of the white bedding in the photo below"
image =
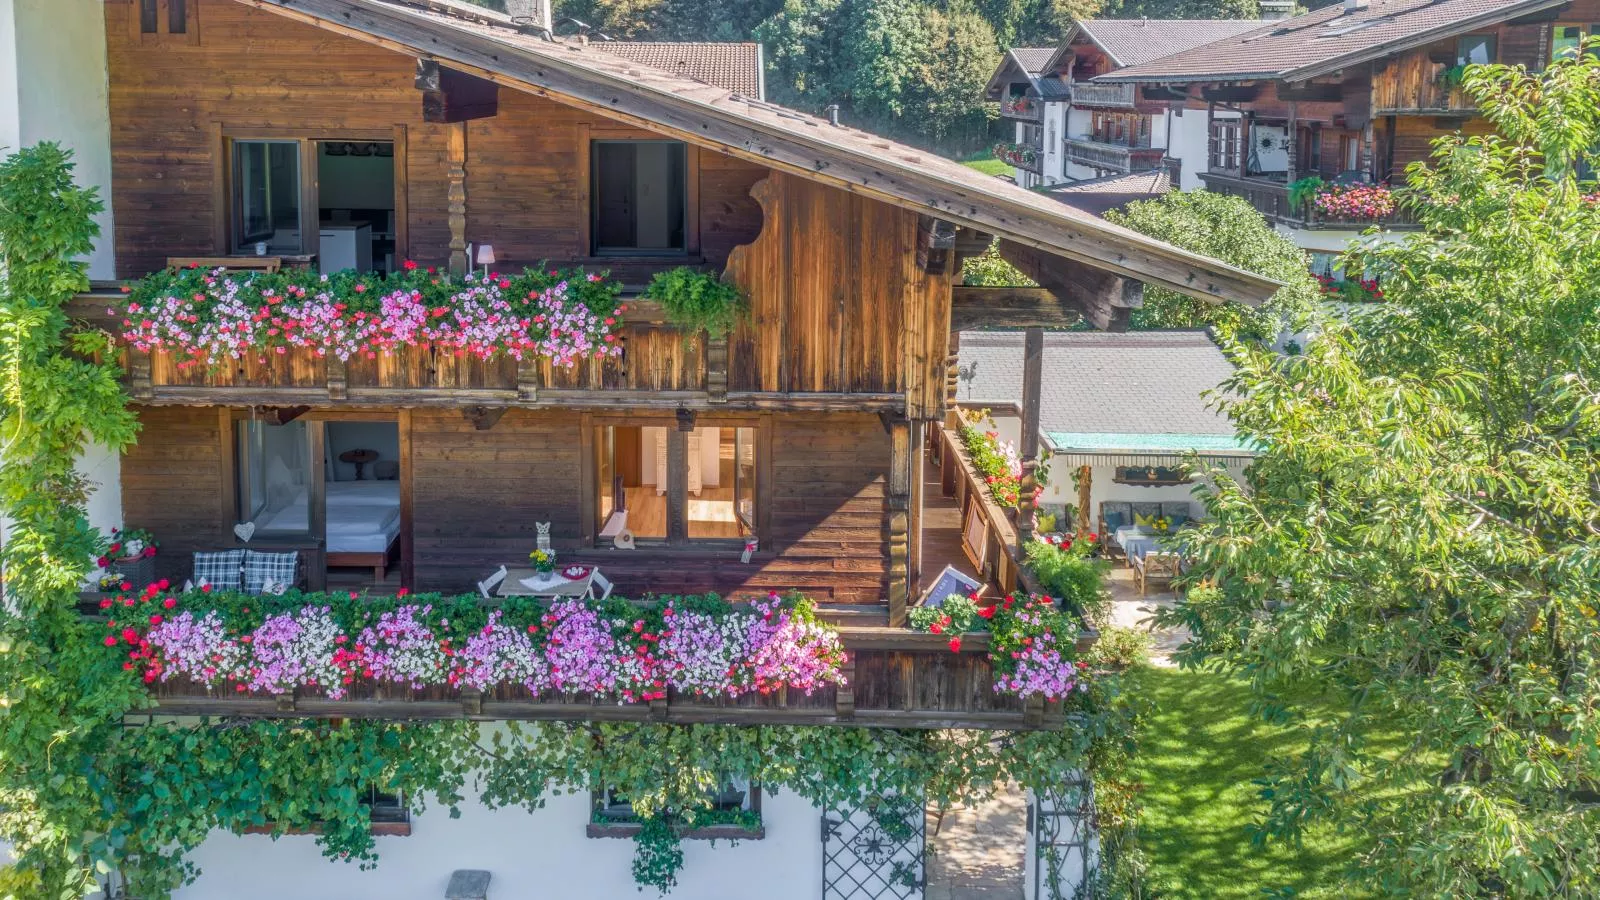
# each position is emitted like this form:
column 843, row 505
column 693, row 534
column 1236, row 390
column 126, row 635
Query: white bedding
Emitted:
column 363, row 516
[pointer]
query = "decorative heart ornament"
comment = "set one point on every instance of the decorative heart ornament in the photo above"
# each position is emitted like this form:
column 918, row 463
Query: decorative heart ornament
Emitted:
column 245, row 531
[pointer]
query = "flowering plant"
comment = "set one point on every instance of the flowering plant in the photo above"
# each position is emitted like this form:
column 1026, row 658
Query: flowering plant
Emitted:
column 543, row 560
column 1031, row 648
column 997, row 462
column 1361, row 202
column 1015, row 154
column 695, row 645
column 207, row 316
column 1350, row 290
column 134, row 543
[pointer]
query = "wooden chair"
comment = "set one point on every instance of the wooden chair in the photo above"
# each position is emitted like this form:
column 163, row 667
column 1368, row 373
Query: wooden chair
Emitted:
column 247, row 263
column 1158, row 565
column 601, row 582
column 486, row 587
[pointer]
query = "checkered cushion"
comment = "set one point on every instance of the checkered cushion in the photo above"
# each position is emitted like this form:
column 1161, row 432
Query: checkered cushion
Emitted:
column 219, row 569
column 262, row 569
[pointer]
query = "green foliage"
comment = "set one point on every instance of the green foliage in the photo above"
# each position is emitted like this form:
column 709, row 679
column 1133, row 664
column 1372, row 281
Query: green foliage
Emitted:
column 697, row 301
column 1182, row 9
column 1070, row 574
column 657, row 855
column 1120, row 648
column 1229, row 229
column 61, row 702
column 1304, row 190
column 956, row 614
column 996, row 462
column 990, row 269
column 1421, row 530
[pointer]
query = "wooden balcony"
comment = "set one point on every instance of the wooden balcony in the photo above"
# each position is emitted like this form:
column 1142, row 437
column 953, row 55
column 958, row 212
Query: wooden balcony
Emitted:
column 1416, row 84
column 1270, row 197
column 1115, row 96
column 1115, row 157
column 1026, row 109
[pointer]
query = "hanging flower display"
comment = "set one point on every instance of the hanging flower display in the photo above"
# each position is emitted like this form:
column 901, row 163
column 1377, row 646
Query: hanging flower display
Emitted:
column 1356, row 202
column 209, row 316
column 1016, row 154
column 1032, row 646
column 702, row 646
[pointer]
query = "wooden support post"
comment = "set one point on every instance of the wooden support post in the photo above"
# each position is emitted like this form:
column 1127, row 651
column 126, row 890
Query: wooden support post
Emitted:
column 338, row 379
column 471, row 702
column 140, row 386
column 844, row 698
column 1291, row 144
column 952, row 379
column 529, row 377
column 408, row 528
column 899, row 500
column 1028, row 449
column 717, row 369
column 1086, row 516
column 456, row 196
column 677, row 486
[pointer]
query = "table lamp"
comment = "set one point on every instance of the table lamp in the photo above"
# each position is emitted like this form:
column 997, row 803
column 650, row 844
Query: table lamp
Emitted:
column 485, row 257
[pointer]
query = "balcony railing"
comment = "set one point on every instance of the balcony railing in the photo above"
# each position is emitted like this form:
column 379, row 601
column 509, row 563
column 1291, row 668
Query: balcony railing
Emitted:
column 1020, row 108
column 1116, row 157
column 1414, row 83
column 1115, row 95
column 1023, row 156
column 1271, row 198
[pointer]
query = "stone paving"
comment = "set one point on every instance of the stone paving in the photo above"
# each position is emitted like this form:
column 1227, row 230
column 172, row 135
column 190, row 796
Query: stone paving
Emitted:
column 1130, row 610
column 978, row 852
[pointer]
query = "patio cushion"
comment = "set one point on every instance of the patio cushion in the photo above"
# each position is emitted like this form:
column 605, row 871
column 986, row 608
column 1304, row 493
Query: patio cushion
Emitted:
column 1149, row 510
column 262, row 569
column 220, row 569
column 1116, row 515
column 1176, row 512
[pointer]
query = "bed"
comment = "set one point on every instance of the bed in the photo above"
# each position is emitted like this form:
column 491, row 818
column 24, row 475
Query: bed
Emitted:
column 363, row 522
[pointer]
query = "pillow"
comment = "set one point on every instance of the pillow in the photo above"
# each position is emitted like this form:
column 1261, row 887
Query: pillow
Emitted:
column 219, row 569
column 1146, row 521
column 263, row 569
column 1116, row 515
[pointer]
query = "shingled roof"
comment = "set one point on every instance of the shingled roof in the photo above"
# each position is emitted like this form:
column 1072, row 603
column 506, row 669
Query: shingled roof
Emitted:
column 1033, row 59
column 1133, row 42
column 490, row 45
column 1326, row 40
column 733, row 66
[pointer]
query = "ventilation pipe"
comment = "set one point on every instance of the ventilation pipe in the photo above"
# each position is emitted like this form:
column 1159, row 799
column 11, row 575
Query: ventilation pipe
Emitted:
column 534, row 14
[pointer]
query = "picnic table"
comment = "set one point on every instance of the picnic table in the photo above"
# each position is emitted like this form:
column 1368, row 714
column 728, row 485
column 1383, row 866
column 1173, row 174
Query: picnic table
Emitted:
column 570, row 581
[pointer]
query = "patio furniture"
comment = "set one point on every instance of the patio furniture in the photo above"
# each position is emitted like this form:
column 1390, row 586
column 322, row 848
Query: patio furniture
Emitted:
column 950, row 581
column 524, row 582
column 486, row 587
column 1114, row 515
column 1156, row 565
column 250, row 571
column 597, row 580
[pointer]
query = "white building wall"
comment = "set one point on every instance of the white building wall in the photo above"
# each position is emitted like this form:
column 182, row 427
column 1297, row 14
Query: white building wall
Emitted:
column 53, row 87
column 529, row 855
column 1188, row 140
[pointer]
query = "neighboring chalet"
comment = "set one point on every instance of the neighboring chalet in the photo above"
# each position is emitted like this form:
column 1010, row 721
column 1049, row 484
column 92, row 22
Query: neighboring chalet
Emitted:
column 1034, row 101
column 1348, row 95
column 366, row 133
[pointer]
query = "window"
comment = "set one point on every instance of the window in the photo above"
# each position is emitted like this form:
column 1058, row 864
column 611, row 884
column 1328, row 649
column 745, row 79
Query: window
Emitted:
column 734, row 811
column 1225, row 145
column 1567, row 38
column 635, row 481
column 640, row 196
column 1475, row 49
column 154, row 20
column 266, row 196
column 1349, row 152
column 275, row 474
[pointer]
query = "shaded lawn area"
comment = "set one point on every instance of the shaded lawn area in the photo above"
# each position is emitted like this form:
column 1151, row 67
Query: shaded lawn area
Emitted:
column 1198, row 755
column 988, row 165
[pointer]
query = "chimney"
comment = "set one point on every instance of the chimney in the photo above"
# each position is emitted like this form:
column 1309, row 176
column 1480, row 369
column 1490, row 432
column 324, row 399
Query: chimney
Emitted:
column 532, row 14
column 832, row 109
column 1351, row 6
column 1272, row 10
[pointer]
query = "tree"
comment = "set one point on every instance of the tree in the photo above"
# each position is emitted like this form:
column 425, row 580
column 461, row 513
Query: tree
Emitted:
column 1229, row 229
column 1421, row 534
column 1182, row 9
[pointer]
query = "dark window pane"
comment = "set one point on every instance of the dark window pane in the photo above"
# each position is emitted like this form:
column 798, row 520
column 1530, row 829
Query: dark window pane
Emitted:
column 177, row 16
column 639, row 196
column 1475, row 49
column 266, row 195
column 147, row 16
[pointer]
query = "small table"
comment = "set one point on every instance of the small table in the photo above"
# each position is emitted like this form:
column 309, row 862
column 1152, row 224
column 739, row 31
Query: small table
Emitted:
column 1136, row 541
column 360, row 458
column 563, row 586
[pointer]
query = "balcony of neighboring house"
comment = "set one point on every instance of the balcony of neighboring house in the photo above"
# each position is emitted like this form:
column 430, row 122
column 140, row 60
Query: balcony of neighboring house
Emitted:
column 1028, row 156
column 1114, row 96
column 1018, row 104
column 1113, row 156
column 1342, row 204
column 1427, row 81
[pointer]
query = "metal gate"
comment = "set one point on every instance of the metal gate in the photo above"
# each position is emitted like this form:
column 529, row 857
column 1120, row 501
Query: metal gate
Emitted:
column 1065, row 852
column 875, row 853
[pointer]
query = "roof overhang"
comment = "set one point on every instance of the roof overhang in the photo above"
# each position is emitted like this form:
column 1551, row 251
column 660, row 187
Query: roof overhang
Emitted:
column 782, row 139
column 1001, row 77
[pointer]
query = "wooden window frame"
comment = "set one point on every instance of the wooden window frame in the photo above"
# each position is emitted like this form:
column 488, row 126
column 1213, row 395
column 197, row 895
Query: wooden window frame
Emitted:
column 677, row 479
column 400, row 828
column 166, row 13
column 1494, row 45
column 593, row 829
column 224, row 204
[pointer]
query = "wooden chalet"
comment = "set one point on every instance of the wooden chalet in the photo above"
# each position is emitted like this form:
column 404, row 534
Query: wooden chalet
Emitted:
column 382, row 131
column 1351, row 93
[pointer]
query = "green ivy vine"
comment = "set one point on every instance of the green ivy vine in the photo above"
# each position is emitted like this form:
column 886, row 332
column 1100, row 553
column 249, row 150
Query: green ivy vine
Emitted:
column 695, row 301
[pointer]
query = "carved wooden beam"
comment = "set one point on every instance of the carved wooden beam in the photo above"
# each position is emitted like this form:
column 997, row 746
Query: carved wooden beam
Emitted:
column 1008, row 307
column 451, row 96
column 456, row 196
column 1105, row 299
column 936, row 241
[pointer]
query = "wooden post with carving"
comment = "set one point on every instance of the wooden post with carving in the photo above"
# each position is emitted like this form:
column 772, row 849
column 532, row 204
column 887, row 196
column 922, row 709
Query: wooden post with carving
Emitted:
column 1086, row 517
column 1028, row 449
column 456, row 197
column 899, row 520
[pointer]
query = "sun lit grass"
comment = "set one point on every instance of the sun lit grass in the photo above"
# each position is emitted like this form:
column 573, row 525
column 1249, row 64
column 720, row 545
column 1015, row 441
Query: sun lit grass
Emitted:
column 988, row 165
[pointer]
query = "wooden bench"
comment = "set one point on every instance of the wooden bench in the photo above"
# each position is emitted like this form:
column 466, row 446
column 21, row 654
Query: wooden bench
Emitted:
column 248, row 263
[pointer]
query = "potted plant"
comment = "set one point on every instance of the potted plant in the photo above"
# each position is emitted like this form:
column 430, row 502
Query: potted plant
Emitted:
column 697, row 301
column 129, row 558
column 544, row 564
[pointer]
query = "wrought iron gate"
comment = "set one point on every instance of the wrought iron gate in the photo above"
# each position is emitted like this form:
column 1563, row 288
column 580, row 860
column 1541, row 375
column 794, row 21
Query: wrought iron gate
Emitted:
column 874, row 853
column 1065, row 851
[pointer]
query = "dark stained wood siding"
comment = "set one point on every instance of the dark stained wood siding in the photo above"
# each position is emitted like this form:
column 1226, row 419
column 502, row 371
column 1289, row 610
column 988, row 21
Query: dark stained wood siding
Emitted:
column 173, row 484
column 524, row 194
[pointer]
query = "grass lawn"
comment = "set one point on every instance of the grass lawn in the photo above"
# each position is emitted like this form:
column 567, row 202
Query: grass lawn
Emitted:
column 1197, row 757
column 988, row 165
